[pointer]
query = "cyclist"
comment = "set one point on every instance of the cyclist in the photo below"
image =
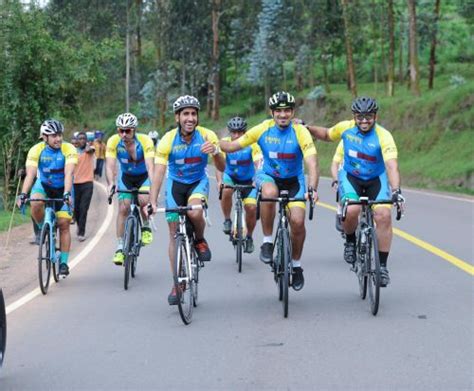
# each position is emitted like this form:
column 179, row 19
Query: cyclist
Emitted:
column 53, row 161
column 155, row 137
column 240, row 170
column 285, row 145
column 368, row 156
column 184, row 152
column 134, row 153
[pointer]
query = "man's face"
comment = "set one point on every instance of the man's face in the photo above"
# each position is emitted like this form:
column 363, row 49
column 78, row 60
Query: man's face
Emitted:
column 283, row 116
column 54, row 140
column 81, row 141
column 365, row 122
column 126, row 134
column 187, row 119
column 236, row 135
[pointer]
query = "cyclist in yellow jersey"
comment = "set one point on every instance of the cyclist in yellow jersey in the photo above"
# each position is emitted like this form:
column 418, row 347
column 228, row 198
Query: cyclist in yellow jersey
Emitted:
column 49, row 170
column 368, row 166
column 285, row 146
column 134, row 153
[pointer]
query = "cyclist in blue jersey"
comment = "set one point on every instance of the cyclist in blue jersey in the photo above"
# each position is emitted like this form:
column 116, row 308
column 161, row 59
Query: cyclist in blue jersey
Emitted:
column 134, row 153
column 183, row 152
column 240, row 169
column 285, row 146
column 49, row 170
column 368, row 166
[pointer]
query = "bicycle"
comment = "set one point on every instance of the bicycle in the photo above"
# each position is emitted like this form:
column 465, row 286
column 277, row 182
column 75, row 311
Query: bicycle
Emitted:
column 132, row 236
column 187, row 263
column 367, row 264
column 281, row 265
column 238, row 234
column 49, row 256
column 3, row 328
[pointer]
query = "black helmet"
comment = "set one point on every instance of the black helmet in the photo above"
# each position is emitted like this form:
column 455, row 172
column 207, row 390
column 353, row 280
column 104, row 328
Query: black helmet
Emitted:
column 281, row 100
column 364, row 105
column 237, row 124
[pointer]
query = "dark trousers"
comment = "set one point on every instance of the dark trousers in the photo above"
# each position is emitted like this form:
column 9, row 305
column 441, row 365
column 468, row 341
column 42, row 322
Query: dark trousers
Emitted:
column 82, row 201
column 99, row 165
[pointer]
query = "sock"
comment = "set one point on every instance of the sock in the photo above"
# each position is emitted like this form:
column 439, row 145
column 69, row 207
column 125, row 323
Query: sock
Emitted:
column 268, row 239
column 383, row 258
column 64, row 257
column 351, row 237
column 296, row 263
column 40, row 225
column 119, row 244
column 146, row 223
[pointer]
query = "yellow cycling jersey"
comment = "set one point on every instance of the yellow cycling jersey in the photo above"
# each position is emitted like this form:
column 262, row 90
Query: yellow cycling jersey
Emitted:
column 339, row 154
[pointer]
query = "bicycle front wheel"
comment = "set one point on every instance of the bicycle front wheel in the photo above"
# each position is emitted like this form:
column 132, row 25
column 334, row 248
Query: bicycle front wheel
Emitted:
column 373, row 265
column 3, row 328
column 183, row 281
column 285, row 269
column 44, row 259
column 239, row 241
column 128, row 250
column 361, row 269
column 133, row 266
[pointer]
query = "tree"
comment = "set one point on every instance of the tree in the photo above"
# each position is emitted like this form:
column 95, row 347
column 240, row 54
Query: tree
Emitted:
column 214, row 79
column 349, row 56
column 433, row 45
column 391, row 51
column 414, row 68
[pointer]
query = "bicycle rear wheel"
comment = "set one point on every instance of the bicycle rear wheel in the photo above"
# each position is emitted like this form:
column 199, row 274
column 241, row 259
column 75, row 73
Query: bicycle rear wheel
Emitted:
column 285, row 269
column 361, row 270
column 128, row 250
column 3, row 328
column 195, row 265
column 183, row 282
column 373, row 265
column 44, row 259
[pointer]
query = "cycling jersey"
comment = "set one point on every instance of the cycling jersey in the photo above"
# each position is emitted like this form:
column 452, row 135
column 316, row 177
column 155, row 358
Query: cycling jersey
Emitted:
column 50, row 162
column 144, row 149
column 240, row 165
column 186, row 163
column 283, row 150
column 364, row 153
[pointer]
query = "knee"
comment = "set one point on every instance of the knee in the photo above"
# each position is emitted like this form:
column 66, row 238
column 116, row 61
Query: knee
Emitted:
column 269, row 191
column 383, row 217
column 123, row 209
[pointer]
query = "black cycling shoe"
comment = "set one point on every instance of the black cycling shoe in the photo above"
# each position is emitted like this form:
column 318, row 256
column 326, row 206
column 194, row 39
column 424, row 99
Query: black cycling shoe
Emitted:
column 266, row 253
column 173, row 297
column 227, row 228
column 249, row 247
column 298, row 278
column 350, row 252
column 384, row 277
column 203, row 251
column 63, row 269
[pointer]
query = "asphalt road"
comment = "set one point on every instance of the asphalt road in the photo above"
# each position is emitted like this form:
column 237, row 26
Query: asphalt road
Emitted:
column 88, row 333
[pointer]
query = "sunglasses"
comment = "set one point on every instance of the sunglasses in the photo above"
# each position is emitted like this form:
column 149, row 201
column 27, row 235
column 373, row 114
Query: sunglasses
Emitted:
column 126, row 131
column 368, row 117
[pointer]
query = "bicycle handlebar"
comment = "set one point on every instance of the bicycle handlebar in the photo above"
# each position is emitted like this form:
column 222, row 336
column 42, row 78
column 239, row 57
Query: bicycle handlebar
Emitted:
column 131, row 191
column 234, row 187
column 286, row 199
column 367, row 202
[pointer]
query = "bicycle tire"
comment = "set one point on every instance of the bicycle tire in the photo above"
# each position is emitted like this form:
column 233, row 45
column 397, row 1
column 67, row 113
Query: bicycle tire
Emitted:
column 286, row 271
column 44, row 259
column 373, row 263
column 184, row 291
column 3, row 328
column 133, row 265
column 56, row 264
column 361, row 271
column 128, row 250
column 195, row 265
column 239, row 241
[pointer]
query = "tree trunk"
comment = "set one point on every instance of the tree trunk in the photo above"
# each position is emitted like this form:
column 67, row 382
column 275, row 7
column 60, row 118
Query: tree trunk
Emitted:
column 311, row 69
column 349, row 56
column 391, row 52
column 414, row 68
column 433, row 46
column 382, row 41
column 324, row 59
column 375, row 23
column 401, row 73
column 215, row 68
column 127, row 60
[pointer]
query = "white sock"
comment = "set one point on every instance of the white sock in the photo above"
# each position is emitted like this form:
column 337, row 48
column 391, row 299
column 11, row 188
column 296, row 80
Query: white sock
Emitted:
column 119, row 244
column 268, row 239
column 296, row 263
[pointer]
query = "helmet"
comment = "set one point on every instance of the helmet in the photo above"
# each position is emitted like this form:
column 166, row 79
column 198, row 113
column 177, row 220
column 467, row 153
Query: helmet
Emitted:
column 185, row 101
column 281, row 100
column 153, row 134
column 126, row 121
column 237, row 124
column 51, row 126
column 363, row 105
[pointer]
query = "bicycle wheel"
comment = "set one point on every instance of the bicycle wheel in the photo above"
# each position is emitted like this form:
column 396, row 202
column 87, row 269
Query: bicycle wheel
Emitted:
column 239, row 241
column 361, row 270
column 285, row 269
column 44, row 259
column 3, row 328
column 195, row 266
column 133, row 266
column 373, row 264
column 128, row 250
column 55, row 264
column 183, row 282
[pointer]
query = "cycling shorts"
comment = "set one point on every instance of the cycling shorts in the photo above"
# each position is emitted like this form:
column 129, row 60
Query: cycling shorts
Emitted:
column 62, row 210
column 295, row 186
column 351, row 187
column 127, row 182
column 179, row 194
column 249, row 196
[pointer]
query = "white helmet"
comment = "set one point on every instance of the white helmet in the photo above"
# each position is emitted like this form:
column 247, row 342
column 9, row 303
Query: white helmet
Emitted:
column 51, row 126
column 186, row 101
column 153, row 135
column 126, row 121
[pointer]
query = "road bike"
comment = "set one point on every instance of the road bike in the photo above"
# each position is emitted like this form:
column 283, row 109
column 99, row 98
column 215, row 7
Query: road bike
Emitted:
column 3, row 328
column 367, row 264
column 186, row 263
column 132, row 236
column 238, row 234
column 281, row 264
